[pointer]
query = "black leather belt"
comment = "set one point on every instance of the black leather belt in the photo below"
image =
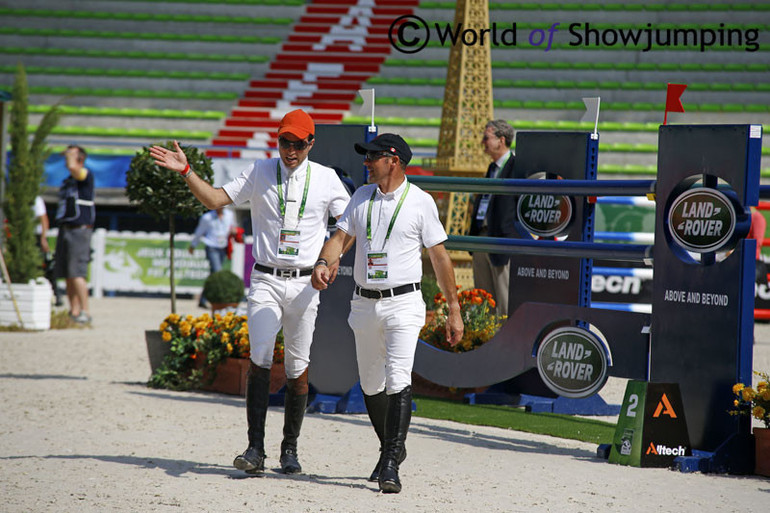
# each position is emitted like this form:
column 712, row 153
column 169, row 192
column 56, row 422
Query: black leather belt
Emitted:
column 379, row 294
column 284, row 273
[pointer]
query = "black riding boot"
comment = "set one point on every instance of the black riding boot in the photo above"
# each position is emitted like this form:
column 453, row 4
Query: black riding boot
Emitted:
column 377, row 408
column 396, row 426
column 295, row 403
column 257, row 399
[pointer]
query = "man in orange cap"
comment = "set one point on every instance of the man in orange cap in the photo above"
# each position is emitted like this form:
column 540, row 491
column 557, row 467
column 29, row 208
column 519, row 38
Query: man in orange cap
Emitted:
column 291, row 199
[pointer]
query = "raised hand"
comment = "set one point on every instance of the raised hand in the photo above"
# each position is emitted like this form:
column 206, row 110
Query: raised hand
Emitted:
column 170, row 159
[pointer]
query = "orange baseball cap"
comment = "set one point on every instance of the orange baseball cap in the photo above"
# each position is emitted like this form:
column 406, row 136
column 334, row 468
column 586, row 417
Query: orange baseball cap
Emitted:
column 297, row 122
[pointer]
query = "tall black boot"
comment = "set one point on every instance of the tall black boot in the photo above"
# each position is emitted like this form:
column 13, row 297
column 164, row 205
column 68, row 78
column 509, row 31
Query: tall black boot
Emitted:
column 257, row 399
column 294, row 411
column 377, row 408
column 396, row 426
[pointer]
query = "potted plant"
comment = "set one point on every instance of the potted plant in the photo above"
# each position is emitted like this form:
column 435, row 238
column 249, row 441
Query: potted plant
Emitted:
column 21, row 255
column 210, row 353
column 223, row 289
column 163, row 194
column 477, row 307
column 756, row 403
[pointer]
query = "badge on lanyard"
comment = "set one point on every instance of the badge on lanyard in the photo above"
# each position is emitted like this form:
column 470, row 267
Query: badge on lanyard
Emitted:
column 289, row 239
column 376, row 267
column 288, row 244
column 483, row 206
column 377, row 262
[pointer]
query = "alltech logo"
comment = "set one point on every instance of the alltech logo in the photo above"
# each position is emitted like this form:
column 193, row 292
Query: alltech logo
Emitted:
column 664, row 450
column 664, row 408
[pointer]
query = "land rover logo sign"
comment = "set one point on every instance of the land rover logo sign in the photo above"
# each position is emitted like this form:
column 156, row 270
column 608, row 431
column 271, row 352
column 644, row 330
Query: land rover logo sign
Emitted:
column 544, row 215
column 701, row 220
column 572, row 362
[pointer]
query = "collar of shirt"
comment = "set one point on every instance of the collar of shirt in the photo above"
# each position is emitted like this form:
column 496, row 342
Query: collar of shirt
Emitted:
column 290, row 172
column 501, row 162
column 393, row 194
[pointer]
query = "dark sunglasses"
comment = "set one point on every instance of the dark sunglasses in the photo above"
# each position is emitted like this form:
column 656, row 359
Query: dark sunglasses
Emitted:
column 371, row 156
column 296, row 145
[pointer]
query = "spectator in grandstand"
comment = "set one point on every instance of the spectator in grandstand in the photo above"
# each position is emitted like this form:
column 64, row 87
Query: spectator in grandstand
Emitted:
column 291, row 199
column 75, row 217
column 391, row 221
column 493, row 215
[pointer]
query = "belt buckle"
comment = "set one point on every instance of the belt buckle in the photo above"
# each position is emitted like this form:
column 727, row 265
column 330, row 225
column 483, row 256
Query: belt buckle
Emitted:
column 380, row 293
column 285, row 273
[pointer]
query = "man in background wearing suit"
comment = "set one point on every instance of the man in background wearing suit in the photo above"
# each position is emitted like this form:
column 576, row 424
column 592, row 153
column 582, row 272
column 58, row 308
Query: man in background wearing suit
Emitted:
column 494, row 215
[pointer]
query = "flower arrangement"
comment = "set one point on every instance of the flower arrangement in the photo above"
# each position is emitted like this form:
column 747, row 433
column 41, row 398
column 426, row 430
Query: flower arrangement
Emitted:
column 477, row 308
column 198, row 345
column 754, row 403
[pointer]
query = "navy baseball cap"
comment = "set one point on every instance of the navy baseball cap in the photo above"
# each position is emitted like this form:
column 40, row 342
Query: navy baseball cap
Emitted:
column 390, row 143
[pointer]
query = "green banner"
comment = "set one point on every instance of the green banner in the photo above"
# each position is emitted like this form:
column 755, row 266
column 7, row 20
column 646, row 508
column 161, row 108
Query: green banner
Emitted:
column 144, row 264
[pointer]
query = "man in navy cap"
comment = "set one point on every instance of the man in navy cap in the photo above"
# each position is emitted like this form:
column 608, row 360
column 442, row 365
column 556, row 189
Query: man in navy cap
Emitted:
column 391, row 221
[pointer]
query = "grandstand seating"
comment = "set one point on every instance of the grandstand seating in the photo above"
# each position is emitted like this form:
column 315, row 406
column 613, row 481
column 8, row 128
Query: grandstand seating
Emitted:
column 220, row 73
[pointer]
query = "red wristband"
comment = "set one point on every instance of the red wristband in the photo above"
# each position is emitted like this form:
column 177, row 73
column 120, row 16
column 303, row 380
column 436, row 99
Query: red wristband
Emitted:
column 185, row 171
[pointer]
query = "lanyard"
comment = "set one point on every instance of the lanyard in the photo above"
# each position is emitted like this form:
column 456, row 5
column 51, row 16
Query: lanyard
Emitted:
column 281, row 202
column 392, row 219
column 501, row 166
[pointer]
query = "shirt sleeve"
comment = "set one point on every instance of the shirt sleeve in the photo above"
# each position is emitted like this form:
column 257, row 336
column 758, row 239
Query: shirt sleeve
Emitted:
column 339, row 196
column 347, row 223
column 432, row 230
column 240, row 188
column 39, row 208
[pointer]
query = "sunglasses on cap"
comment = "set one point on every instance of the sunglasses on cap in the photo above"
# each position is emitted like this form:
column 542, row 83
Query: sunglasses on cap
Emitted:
column 371, row 156
column 286, row 144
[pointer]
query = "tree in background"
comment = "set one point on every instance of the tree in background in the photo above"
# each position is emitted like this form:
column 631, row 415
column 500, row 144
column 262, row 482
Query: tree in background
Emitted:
column 25, row 176
column 164, row 194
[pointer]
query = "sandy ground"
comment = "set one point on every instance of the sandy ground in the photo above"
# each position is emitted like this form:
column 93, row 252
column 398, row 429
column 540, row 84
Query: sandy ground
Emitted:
column 79, row 431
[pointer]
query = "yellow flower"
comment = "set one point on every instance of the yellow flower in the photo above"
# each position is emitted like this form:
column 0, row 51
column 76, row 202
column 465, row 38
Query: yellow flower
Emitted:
column 738, row 387
column 748, row 394
column 229, row 348
column 762, row 385
column 758, row 412
column 166, row 336
column 173, row 318
column 163, row 325
column 765, row 394
column 225, row 337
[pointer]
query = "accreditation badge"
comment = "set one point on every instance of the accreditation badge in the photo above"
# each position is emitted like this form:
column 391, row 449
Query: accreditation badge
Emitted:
column 483, row 206
column 288, row 244
column 376, row 267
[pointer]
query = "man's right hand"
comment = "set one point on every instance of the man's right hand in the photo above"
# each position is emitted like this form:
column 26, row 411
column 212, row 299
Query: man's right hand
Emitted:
column 320, row 277
column 173, row 160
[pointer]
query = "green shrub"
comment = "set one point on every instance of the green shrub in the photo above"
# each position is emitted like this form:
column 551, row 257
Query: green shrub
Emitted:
column 223, row 287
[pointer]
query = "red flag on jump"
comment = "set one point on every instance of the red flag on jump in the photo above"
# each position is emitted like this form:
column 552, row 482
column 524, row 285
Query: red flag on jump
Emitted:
column 673, row 101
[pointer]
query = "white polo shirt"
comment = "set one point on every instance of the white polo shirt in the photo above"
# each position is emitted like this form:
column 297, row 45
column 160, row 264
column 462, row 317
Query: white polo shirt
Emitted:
column 258, row 184
column 416, row 225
